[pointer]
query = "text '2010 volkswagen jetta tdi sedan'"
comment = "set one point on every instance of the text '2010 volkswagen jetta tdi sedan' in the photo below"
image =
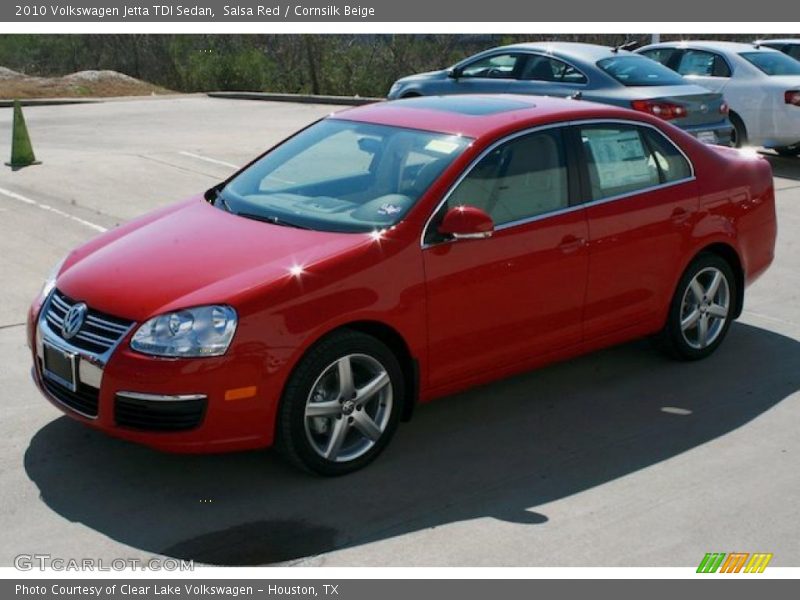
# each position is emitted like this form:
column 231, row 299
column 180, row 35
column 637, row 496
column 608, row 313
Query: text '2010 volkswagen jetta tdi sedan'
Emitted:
column 394, row 253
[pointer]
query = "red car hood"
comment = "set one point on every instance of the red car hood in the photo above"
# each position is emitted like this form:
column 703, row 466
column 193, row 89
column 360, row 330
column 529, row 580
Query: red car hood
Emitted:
column 187, row 255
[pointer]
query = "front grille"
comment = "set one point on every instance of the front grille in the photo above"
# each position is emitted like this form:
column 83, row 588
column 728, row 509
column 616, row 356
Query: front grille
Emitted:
column 98, row 334
column 158, row 415
column 84, row 401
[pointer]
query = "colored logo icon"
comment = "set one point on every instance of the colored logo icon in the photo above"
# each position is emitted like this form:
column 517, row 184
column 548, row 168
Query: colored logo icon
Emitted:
column 735, row 562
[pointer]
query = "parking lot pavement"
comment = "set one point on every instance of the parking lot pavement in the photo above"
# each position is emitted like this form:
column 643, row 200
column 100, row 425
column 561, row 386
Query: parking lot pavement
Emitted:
column 621, row 458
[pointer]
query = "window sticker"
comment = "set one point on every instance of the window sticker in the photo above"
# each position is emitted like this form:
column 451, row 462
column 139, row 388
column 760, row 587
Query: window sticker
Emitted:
column 441, row 146
column 620, row 157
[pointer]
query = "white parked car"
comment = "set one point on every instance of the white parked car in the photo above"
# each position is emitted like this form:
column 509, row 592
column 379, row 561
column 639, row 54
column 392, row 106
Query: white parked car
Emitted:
column 790, row 46
column 760, row 84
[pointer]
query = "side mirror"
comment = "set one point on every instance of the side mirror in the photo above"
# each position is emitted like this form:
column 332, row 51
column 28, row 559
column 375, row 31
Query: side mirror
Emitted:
column 454, row 72
column 466, row 223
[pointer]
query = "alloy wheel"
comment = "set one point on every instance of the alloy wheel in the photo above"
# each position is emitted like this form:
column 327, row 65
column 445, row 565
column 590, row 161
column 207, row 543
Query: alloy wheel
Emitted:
column 705, row 307
column 348, row 408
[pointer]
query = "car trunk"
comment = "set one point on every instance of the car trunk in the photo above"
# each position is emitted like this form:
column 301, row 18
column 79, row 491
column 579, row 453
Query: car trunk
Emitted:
column 701, row 109
column 702, row 106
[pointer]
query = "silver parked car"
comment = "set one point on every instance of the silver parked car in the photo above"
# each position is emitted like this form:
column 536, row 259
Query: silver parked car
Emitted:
column 585, row 71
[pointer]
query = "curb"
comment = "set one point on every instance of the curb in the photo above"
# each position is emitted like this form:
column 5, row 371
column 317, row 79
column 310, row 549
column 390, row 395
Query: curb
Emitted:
column 47, row 102
column 300, row 98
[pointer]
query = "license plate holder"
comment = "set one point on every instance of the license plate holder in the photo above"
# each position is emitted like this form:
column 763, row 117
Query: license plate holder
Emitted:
column 60, row 366
column 707, row 137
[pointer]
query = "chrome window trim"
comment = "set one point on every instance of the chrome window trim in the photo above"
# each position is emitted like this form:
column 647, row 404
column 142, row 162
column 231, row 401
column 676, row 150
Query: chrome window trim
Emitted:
column 510, row 137
column 592, row 203
column 161, row 397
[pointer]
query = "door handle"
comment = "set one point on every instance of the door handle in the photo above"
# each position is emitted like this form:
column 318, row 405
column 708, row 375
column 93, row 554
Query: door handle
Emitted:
column 571, row 243
column 680, row 215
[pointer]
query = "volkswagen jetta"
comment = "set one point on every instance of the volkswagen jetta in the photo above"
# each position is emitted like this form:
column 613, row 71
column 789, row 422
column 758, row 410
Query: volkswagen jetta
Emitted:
column 394, row 253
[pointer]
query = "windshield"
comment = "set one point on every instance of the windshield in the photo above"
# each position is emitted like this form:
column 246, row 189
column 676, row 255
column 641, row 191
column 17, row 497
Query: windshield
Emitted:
column 638, row 70
column 773, row 63
column 342, row 176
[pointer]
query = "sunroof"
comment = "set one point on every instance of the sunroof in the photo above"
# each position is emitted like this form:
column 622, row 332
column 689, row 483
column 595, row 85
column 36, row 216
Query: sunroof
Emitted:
column 466, row 105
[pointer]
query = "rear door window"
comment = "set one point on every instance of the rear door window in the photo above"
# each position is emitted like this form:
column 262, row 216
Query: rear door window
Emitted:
column 618, row 159
column 703, row 63
column 545, row 68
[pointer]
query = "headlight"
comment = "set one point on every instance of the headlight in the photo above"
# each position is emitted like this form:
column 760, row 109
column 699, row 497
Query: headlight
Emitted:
column 50, row 282
column 193, row 332
column 395, row 88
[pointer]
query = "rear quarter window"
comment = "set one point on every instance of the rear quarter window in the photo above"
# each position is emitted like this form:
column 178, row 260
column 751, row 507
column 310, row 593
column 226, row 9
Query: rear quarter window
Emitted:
column 772, row 63
column 670, row 161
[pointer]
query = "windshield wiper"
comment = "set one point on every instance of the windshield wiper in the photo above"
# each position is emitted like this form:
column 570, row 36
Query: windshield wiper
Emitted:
column 271, row 219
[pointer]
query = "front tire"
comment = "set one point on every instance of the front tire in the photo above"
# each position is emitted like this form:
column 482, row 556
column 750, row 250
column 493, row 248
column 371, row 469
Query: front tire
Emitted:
column 342, row 404
column 701, row 310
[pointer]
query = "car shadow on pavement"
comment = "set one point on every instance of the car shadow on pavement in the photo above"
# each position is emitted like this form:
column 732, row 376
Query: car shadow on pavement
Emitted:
column 787, row 167
column 499, row 451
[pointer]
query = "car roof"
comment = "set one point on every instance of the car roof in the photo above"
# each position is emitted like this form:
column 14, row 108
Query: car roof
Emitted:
column 577, row 50
column 730, row 47
column 452, row 115
column 778, row 41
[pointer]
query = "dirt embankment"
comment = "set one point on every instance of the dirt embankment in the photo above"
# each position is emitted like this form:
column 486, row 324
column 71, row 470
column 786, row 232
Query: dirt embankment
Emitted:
column 76, row 85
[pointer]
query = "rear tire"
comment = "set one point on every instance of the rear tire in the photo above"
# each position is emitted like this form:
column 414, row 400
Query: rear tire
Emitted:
column 701, row 310
column 341, row 405
column 739, row 133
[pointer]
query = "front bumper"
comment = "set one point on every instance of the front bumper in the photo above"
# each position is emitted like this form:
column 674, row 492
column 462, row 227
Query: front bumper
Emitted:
column 178, row 405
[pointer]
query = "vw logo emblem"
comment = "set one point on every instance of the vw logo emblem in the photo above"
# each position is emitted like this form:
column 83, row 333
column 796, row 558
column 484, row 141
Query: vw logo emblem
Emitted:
column 73, row 320
column 704, row 108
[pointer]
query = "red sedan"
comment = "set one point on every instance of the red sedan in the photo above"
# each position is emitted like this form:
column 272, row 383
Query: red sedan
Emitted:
column 394, row 253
